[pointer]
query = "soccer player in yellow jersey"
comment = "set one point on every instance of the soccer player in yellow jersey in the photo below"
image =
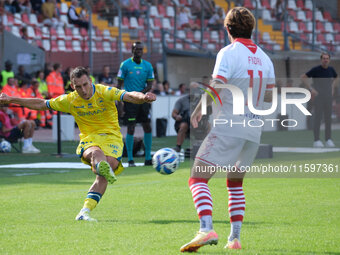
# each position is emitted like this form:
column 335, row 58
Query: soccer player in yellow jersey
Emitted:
column 94, row 110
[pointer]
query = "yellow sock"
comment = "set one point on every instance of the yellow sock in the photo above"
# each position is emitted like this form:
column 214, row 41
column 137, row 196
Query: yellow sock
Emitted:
column 90, row 203
column 92, row 200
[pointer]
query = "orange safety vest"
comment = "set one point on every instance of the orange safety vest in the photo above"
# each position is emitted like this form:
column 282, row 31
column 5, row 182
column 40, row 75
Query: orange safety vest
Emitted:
column 55, row 84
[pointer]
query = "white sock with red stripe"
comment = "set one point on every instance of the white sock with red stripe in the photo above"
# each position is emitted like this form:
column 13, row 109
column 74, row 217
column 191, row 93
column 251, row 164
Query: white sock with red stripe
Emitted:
column 236, row 206
column 203, row 202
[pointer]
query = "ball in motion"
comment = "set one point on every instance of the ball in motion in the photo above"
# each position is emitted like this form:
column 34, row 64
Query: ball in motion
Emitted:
column 165, row 161
column 5, row 146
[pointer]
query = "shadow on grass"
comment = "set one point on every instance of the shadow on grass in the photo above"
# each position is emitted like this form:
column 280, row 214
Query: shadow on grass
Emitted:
column 280, row 251
column 166, row 222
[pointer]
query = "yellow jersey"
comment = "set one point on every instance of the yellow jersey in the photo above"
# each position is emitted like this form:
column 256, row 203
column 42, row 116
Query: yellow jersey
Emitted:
column 97, row 115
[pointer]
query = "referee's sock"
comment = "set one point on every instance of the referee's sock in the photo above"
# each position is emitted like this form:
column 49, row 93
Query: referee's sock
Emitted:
column 129, row 146
column 147, row 144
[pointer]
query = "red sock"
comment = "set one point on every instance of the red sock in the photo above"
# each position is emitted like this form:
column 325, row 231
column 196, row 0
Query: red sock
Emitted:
column 201, row 196
column 237, row 202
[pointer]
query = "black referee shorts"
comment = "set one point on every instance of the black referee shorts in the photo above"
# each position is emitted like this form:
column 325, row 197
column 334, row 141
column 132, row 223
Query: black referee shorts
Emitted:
column 136, row 113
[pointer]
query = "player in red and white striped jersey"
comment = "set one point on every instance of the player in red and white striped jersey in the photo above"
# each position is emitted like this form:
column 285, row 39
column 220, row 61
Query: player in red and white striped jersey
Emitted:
column 244, row 65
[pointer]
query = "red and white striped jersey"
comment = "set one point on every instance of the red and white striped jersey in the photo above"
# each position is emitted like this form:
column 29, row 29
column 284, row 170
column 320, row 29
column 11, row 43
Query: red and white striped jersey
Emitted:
column 244, row 65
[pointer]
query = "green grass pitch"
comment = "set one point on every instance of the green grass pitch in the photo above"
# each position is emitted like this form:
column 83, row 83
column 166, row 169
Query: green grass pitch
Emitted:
column 148, row 213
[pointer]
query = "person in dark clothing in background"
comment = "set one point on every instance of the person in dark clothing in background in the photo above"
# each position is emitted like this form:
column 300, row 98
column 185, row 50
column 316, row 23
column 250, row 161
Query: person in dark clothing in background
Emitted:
column 324, row 82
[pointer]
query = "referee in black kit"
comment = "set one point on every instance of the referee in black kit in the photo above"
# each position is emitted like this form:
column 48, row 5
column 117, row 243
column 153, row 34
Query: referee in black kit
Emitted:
column 323, row 87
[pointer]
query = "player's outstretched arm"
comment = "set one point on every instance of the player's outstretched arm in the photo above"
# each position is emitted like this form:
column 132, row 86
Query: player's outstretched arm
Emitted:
column 138, row 97
column 31, row 103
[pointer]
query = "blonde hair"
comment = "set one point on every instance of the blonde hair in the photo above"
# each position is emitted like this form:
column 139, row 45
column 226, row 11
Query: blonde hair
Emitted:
column 240, row 22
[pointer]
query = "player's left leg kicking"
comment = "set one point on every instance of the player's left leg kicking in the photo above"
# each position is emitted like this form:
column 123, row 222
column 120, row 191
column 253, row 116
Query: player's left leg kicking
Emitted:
column 102, row 166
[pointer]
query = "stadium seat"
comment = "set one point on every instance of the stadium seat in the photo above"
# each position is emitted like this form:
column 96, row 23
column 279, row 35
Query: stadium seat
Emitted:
column 329, row 27
column 179, row 46
column 45, row 32
column 266, row 4
column 93, row 46
column 266, row 15
column 84, row 45
column 309, row 15
column 107, row 35
column 141, row 23
column 214, row 36
column 309, row 5
column 293, row 14
column 211, row 46
column 319, row 16
column 327, row 16
column 301, row 16
column 170, row 45
column 321, row 39
column 30, row 32
column 142, row 35
column 303, row 27
column 187, row 46
column 76, row 45
column 161, row 10
column 25, row 19
column 266, row 37
column 190, row 35
column 320, row 27
column 7, row 20
column 17, row 19
column 154, row 11
column 53, row 33
column 300, row 5
column 134, row 23
column 99, row 33
column 39, row 43
column 76, row 33
column 170, row 12
column 336, row 27
column 60, row 32
column 99, row 46
column 124, row 48
column 68, row 33
column 248, row 4
column 34, row 20
column 309, row 25
column 114, row 46
column 68, row 44
column 63, row 8
column 54, row 45
column 166, row 24
column 106, row 46
column 329, row 38
column 157, row 35
column 83, row 32
column 337, row 38
column 291, row 5
column 38, row 33
column 181, row 34
column 157, row 24
column 64, row 19
column 61, row 45
column 197, row 36
column 46, row 45
column 304, row 37
column 15, row 31
column 293, row 27
column 126, row 22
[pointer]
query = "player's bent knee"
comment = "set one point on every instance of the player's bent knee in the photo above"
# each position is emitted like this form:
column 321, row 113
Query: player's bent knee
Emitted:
column 113, row 162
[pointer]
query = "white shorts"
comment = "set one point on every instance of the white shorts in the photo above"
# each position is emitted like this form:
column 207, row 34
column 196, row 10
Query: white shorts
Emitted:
column 227, row 151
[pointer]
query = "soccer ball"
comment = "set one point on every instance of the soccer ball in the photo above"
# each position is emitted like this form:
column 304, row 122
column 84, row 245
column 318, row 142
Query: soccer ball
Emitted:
column 5, row 146
column 165, row 161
